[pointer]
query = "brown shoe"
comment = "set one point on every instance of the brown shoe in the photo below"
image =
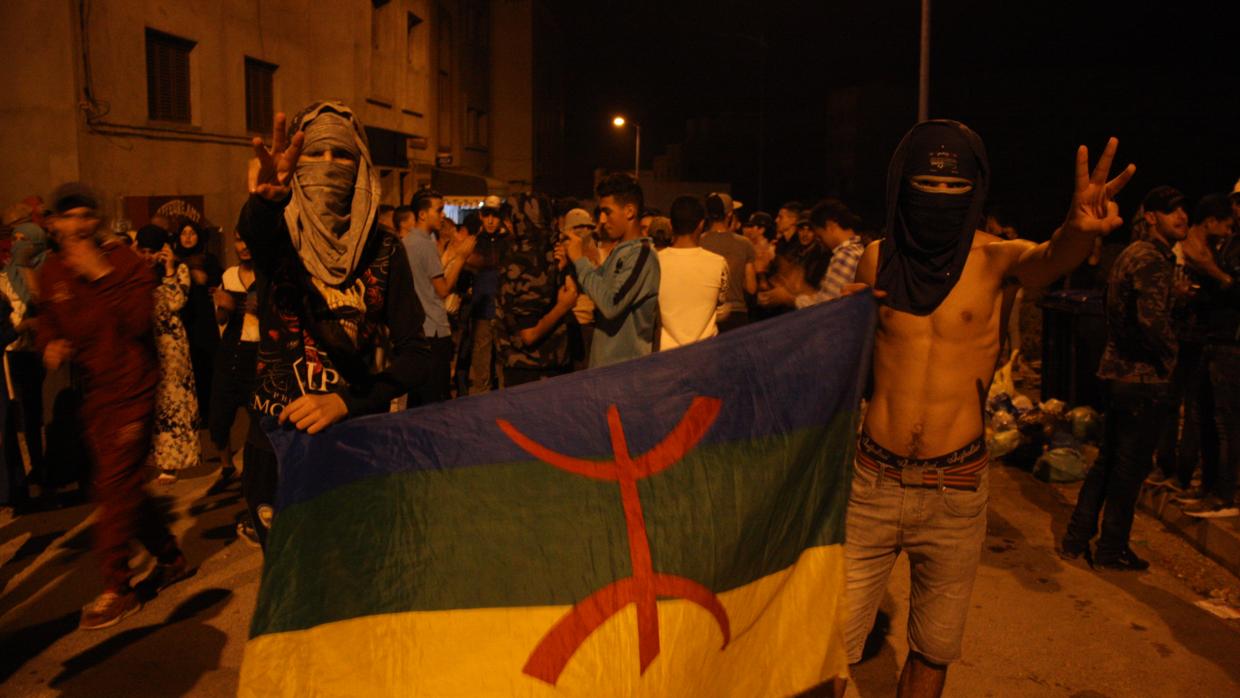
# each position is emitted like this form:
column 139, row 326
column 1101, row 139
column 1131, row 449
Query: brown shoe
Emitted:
column 109, row 609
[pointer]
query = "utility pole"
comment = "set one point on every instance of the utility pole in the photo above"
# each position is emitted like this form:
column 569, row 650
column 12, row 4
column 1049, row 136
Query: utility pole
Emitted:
column 923, row 83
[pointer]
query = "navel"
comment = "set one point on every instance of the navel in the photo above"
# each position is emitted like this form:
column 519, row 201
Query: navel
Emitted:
column 967, row 316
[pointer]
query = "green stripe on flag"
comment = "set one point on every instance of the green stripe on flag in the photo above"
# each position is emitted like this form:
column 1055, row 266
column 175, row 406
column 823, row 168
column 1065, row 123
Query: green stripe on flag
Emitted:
column 486, row 536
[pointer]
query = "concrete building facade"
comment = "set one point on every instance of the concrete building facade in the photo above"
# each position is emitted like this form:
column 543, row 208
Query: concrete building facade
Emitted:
column 154, row 100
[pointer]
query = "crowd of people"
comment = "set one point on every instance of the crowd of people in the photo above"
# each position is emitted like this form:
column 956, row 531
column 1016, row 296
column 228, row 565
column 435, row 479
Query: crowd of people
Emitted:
column 339, row 306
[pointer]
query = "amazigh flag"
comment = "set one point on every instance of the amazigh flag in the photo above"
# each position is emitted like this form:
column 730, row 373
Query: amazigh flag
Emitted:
column 670, row 526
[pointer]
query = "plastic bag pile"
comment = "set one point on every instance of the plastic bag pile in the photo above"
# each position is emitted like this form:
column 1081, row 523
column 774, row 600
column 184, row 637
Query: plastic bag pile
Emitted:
column 1057, row 443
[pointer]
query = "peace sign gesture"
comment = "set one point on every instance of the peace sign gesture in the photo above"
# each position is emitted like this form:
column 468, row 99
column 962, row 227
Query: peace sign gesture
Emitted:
column 1093, row 210
column 272, row 170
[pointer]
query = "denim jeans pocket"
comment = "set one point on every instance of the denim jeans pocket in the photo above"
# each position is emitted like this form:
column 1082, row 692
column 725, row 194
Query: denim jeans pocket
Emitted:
column 966, row 504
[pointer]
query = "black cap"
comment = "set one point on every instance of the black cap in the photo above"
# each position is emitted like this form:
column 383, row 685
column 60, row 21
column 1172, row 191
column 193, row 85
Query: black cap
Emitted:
column 1163, row 199
column 72, row 195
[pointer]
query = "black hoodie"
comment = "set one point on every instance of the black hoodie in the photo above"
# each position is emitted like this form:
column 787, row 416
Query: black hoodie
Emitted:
column 916, row 270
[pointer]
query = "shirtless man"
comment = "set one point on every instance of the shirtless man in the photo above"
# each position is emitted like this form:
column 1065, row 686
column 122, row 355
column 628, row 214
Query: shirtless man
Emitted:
column 920, row 483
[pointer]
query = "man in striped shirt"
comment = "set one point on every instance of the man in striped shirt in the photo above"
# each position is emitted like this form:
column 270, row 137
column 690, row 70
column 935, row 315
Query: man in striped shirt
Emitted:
column 836, row 227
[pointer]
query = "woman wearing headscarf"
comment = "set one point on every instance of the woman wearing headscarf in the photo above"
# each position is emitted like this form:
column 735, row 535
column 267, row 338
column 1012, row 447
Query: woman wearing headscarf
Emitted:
column 330, row 285
column 198, row 315
column 174, row 444
column 22, row 363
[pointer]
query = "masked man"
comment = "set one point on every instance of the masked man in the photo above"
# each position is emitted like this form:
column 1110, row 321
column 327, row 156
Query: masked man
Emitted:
column 920, row 483
column 330, row 284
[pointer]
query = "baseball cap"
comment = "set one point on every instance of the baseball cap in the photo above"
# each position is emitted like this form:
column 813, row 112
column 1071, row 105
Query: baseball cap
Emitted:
column 492, row 203
column 577, row 217
column 1163, row 199
column 660, row 226
column 761, row 219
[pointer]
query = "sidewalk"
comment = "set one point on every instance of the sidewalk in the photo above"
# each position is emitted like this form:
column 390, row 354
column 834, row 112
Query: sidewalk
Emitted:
column 1219, row 539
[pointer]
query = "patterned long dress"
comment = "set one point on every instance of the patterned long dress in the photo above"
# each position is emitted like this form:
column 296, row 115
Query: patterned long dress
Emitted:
column 175, row 443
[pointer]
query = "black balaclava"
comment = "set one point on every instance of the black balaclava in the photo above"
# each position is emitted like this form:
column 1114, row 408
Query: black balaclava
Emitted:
column 928, row 234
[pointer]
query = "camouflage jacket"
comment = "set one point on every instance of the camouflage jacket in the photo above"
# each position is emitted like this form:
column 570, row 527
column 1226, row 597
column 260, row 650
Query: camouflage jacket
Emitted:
column 529, row 282
column 1141, row 344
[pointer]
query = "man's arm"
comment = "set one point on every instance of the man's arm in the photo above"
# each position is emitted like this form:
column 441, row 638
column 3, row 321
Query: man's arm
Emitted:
column 722, row 307
column 1092, row 213
column 842, row 271
column 751, row 279
column 614, row 294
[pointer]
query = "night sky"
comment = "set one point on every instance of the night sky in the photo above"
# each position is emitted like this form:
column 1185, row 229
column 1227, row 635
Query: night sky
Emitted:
column 1034, row 79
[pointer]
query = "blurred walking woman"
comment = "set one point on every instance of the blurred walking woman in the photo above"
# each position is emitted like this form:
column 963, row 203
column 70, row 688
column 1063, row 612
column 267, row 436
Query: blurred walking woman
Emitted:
column 174, row 445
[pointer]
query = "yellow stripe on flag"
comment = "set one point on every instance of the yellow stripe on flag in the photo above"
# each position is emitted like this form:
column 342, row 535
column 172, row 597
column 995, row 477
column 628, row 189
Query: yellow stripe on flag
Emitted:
column 787, row 635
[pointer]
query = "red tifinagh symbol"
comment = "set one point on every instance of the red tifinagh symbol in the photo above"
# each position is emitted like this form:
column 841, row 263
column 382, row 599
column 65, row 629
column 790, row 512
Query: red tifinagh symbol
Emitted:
column 553, row 652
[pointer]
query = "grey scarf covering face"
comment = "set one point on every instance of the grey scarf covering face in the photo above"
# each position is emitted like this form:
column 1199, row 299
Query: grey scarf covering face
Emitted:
column 333, row 205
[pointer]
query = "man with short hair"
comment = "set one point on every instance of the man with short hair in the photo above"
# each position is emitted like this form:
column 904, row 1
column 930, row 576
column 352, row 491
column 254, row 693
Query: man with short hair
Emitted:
column 96, row 308
column 1138, row 364
column 625, row 287
column 786, row 227
column 433, row 280
column 920, row 485
column 693, row 282
column 330, row 284
column 742, row 276
column 836, row 228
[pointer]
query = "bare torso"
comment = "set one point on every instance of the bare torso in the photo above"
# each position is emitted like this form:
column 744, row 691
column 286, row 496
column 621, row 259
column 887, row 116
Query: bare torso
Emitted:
column 931, row 373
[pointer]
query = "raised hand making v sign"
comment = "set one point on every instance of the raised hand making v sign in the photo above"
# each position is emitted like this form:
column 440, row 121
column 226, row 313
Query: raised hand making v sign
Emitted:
column 271, row 170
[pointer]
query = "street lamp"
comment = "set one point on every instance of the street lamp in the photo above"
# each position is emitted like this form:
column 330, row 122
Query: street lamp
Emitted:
column 619, row 122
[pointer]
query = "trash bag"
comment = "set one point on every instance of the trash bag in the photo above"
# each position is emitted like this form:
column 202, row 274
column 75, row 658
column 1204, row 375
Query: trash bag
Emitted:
column 1061, row 465
column 1002, row 420
column 1053, row 407
column 1002, row 383
column 1001, row 443
column 1085, row 422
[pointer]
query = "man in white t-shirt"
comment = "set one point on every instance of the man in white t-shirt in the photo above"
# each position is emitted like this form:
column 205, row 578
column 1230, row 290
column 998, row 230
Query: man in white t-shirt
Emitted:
column 693, row 287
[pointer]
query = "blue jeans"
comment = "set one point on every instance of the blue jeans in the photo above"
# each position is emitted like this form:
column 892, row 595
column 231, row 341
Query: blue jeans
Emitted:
column 1135, row 413
column 942, row 530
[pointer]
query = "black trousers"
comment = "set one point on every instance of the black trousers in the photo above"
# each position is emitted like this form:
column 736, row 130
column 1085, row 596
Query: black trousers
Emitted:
column 26, row 369
column 438, row 384
column 231, row 389
column 259, row 480
column 1134, row 413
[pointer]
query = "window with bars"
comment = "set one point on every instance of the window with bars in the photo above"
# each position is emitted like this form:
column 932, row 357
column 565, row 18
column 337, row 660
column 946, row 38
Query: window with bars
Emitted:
column 259, row 102
column 167, row 76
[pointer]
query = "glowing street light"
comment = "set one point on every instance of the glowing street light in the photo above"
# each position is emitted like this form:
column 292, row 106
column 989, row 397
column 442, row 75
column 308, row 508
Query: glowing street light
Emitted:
column 619, row 122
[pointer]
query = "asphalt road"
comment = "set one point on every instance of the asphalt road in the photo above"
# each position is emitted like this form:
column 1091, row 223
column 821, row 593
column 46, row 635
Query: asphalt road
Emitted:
column 1039, row 627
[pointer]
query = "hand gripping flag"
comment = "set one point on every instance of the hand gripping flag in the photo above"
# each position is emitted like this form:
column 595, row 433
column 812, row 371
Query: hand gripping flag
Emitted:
column 669, row 526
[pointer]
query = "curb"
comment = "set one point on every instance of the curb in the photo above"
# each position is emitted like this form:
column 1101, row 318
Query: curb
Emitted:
column 1218, row 539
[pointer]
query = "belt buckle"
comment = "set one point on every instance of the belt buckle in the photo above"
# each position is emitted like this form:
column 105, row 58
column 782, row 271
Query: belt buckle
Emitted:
column 912, row 477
